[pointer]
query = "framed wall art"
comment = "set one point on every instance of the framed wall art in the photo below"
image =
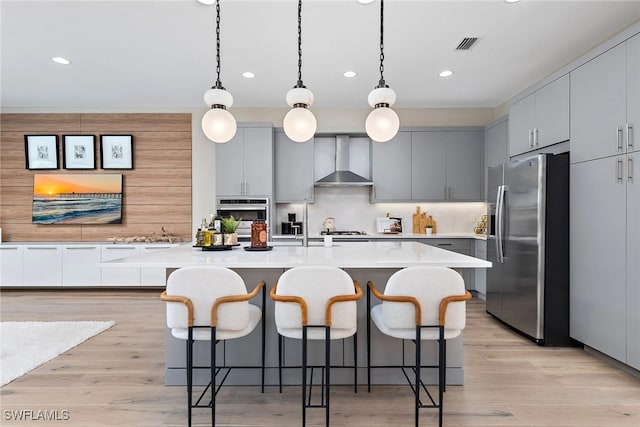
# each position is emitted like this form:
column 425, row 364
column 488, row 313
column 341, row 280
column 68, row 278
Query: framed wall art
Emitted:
column 116, row 151
column 78, row 151
column 41, row 151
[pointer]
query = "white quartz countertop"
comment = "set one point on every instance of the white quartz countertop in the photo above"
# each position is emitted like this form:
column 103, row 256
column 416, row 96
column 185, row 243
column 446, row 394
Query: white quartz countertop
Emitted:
column 381, row 254
column 401, row 236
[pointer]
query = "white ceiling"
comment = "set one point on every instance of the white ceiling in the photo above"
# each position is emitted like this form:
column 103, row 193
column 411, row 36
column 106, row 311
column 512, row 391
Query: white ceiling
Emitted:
column 160, row 54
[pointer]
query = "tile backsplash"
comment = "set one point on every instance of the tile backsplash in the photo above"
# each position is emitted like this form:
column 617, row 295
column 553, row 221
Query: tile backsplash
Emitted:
column 352, row 210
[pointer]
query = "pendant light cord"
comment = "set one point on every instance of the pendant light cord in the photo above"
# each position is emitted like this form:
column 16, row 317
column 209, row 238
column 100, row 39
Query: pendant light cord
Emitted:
column 218, row 82
column 382, row 83
column 299, row 84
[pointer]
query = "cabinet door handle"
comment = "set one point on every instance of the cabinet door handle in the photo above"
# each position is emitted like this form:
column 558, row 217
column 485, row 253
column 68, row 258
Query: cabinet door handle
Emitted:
column 246, row 188
column 120, row 247
column 619, row 137
column 535, row 137
column 629, row 137
column 619, row 170
column 629, row 168
column 444, row 244
column 42, row 247
column 8, row 248
column 80, row 247
column 530, row 138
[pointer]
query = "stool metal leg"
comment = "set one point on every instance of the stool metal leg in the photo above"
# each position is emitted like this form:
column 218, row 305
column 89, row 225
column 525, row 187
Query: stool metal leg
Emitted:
column 355, row 362
column 280, row 357
column 304, row 376
column 213, row 376
column 327, row 362
column 189, row 374
column 441, row 369
column 418, row 363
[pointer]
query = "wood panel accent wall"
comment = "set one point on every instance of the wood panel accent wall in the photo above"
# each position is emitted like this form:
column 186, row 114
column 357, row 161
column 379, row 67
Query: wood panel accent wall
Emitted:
column 157, row 192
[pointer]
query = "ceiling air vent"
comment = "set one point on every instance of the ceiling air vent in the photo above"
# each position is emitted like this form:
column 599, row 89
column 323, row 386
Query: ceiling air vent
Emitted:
column 466, row 43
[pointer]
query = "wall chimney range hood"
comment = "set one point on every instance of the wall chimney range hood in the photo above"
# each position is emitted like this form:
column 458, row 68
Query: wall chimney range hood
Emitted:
column 343, row 177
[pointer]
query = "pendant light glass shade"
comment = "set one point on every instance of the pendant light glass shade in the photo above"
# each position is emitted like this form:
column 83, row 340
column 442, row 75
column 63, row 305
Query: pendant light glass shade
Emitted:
column 382, row 123
column 218, row 124
column 300, row 124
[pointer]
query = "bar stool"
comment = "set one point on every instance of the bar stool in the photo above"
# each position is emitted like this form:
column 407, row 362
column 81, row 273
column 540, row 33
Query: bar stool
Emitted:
column 419, row 304
column 316, row 303
column 207, row 303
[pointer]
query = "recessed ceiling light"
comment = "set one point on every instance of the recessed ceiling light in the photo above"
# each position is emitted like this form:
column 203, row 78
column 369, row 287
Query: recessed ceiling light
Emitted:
column 365, row 1
column 350, row 74
column 207, row 2
column 446, row 73
column 60, row 60
column 511, row 1
column 248, row 75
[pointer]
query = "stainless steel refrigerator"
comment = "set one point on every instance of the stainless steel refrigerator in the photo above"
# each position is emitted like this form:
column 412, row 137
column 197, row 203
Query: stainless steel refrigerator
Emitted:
column 528, row 244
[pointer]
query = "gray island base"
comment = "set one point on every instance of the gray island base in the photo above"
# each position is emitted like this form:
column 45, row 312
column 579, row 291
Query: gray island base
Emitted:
column 364, row 261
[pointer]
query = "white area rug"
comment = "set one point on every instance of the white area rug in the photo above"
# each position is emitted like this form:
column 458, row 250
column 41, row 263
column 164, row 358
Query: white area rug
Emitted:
column 26, row 345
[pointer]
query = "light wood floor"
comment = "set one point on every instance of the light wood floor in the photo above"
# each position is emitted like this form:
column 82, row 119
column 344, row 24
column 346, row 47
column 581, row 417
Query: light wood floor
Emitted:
column 116, row 378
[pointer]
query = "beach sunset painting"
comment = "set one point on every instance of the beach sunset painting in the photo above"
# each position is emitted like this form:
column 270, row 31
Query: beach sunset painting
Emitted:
column 77, row 199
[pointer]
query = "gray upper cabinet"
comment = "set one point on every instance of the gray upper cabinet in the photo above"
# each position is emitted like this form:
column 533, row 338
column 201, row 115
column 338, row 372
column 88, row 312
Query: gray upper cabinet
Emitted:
column 429, row 165
column 244, row 165
column 447, row 165
column 598, row 106
column 294, row 175
column 496, row 139
column 540, row 119
column 633, row 94
column 465, row 160
column 391, row 168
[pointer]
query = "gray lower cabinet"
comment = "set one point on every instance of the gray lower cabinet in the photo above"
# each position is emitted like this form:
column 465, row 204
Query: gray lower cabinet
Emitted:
column 541, row 118
column 294, row 174
column 604, row 291
column 461, row 246
column 604, row 103
column 244, row 165
column 391, row 169
column 633, row 260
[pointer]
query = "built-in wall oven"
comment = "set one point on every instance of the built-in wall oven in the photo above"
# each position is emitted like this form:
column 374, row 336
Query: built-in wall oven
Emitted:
column 246, row 209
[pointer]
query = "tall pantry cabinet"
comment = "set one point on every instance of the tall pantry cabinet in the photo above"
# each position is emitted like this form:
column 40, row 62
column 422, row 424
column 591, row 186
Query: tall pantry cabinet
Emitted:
column 605, row 203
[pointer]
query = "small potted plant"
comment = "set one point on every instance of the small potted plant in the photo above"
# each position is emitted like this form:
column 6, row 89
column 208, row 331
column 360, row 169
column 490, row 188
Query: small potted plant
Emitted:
column 429, row 229
column 229, row 228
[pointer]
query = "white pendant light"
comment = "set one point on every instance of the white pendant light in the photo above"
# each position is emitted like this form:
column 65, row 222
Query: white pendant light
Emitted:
column 382, row 123
column 299, row 124
column 218, row 124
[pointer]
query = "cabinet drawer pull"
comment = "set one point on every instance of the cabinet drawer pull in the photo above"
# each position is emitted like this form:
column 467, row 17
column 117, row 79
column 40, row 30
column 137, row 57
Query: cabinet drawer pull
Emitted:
column 123, row 247
column 619, row 170
column 80, row 247
column 629, row 137
column 156, row 247
column 629, row 169
column 42, row 247
column 619, row 137
column 444, row 244
column 7, row 248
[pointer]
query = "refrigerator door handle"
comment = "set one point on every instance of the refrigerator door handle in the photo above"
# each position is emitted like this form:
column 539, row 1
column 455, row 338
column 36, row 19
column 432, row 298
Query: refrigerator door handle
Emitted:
column 499, row 222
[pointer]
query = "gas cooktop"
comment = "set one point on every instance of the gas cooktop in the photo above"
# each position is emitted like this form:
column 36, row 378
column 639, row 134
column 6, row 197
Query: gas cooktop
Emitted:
column 343, row 233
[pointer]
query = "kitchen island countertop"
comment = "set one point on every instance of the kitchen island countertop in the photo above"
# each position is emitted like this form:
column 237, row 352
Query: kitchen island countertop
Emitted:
column 380, row 254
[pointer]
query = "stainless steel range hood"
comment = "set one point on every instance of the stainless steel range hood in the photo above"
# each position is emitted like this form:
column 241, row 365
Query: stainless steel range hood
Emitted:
column 343, row 177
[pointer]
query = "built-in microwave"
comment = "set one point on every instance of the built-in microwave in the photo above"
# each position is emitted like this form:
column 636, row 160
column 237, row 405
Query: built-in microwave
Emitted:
column 247, row 210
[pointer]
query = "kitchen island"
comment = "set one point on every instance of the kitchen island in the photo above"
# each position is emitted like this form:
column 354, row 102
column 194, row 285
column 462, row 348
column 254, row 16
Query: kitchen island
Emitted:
column 375, row 261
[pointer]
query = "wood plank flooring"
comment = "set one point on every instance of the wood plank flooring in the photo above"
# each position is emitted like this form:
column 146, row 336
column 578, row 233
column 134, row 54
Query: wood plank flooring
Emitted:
column 116, row 378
